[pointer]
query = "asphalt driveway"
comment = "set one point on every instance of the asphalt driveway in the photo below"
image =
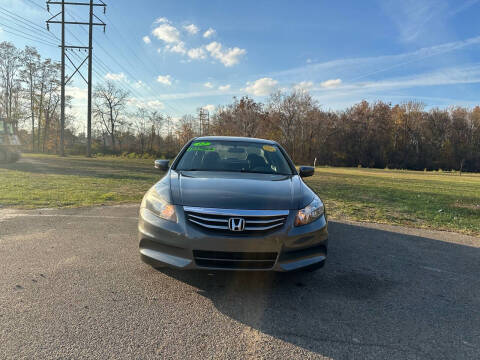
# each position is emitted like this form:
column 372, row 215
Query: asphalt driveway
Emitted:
column 72, row 286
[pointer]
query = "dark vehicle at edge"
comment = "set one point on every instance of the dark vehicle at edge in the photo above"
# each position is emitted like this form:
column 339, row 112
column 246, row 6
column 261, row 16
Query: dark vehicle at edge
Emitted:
column 9, row 143
column 233, row 203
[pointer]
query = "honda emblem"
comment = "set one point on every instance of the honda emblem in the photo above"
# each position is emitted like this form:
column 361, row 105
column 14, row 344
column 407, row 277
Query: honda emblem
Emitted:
column 236, row 224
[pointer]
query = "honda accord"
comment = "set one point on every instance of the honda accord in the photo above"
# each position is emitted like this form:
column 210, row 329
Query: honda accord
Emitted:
column 233, row 203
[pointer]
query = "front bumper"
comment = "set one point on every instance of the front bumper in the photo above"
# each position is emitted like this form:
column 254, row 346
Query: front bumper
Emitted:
column 183, row 245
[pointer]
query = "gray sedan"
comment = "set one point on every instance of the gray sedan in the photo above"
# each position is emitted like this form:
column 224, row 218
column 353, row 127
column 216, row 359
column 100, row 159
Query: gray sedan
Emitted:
column 232, row 203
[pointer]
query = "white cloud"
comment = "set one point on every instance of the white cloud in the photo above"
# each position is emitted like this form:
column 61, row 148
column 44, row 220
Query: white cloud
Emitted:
column 261, row 87
column 164, row 30
column 465, row 6
column 351, row 93
column 146, row 39
column 214, row 47
column 209, row 108
column 139, row 84
column 210, row 32
column 208, row 85
column 76, row 93
column 224, row 87
column 192, row 29
column 161, row 20
column 164, row 79
column 197, row 53
column 155, row 104
column 416, row 19
column 446, row 76
column 303, row 86
column 116, row 77
column 331, row 83
column 167, row 33
column 309, row 61
column 150, row 104
column 178, row 48
column 363, row 67
column 228, row 57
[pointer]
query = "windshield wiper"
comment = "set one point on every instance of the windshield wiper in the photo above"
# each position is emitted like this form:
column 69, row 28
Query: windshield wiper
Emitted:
column 260, row 172
column 237, row 171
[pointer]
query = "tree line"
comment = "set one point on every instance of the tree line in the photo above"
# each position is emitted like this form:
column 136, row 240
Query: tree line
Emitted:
column 377, row 134
column 30, row 100
column 30, row 94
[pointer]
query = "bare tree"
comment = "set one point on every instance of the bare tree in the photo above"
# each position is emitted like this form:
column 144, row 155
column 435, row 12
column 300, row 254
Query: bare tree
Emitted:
column 156, row 123
column 10, row 64
column 186, row 128
column 142, row 127
column 109, row 107
column 52, row 99
column 31, row 63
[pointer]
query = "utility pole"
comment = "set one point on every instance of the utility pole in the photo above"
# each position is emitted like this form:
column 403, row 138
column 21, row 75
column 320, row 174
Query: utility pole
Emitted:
column 204, row 120
column 62, row 82
column 90, row 53
column 91, row 4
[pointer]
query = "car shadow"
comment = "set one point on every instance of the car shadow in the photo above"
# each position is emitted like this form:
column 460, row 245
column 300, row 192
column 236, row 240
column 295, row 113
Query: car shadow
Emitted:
column 382, row 294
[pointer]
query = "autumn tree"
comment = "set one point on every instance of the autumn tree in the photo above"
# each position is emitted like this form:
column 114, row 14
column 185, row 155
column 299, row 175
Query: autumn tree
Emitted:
column 10, row 84
column 109, row 107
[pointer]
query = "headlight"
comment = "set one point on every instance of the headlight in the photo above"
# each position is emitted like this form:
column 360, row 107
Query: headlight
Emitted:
column 312, row 212
column 159, row 206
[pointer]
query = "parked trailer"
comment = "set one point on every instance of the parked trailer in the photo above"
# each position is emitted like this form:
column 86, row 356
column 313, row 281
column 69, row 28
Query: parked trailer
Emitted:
column 9, row 143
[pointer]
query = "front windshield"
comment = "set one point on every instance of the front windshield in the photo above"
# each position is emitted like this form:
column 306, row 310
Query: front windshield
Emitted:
column 238, row 156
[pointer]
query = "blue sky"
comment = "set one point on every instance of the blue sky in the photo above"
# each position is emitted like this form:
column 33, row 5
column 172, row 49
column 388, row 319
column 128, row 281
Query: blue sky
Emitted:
column 176, row 56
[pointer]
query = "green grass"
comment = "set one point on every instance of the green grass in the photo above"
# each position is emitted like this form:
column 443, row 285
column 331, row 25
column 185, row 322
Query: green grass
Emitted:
column 48, row 181
column 442, row 201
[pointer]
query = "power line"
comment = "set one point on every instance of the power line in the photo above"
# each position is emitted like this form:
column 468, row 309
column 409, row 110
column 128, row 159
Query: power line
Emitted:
column 23, row 20
column 105, row 67
column 123, row 69
column 24, row 35
column 140, row 59
column 151, row 93
column 124, row 84
column 23, row 29
column 37, row 5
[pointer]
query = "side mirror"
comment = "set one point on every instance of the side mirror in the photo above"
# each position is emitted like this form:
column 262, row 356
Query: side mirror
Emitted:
column 162, row 164
column 306, row 171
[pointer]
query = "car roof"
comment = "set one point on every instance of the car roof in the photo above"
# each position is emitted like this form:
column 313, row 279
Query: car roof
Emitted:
column 235, row 138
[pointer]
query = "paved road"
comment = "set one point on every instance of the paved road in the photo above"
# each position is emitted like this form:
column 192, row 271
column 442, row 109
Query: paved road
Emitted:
column 72, row 286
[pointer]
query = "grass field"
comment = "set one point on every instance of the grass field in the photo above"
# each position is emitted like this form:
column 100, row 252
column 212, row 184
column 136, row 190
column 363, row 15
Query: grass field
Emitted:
column 442, row 201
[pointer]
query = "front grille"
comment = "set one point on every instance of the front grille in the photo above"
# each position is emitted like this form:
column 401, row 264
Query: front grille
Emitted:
column 235, row 260
column 255, row 220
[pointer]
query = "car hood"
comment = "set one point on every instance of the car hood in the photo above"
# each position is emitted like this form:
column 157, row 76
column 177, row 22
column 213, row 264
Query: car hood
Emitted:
column 229, row 190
